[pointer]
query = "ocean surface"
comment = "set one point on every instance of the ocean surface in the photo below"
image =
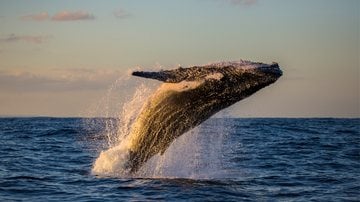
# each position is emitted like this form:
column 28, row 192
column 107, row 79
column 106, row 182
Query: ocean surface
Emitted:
column 261, row 159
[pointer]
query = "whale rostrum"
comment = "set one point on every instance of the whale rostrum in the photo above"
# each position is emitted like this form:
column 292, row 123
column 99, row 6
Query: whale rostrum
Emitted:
column 188, row 97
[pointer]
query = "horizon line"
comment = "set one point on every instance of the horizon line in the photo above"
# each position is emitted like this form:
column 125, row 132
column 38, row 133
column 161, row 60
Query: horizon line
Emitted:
column 225, row 117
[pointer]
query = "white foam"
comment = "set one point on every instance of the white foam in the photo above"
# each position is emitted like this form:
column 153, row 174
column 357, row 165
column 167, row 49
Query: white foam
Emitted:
column 111, row 162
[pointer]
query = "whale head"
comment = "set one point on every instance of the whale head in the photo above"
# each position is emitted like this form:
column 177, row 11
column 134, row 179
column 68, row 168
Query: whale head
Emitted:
column 237, row 78
column 244, row 73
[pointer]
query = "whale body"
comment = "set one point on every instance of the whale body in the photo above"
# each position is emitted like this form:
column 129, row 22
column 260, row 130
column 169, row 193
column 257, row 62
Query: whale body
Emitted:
column 188, row 97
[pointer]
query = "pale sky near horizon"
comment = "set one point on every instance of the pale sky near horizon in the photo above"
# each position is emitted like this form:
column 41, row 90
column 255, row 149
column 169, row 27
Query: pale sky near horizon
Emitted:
column 60, row 58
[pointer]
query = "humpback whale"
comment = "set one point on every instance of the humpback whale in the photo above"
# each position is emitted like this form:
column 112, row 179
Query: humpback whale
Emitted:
column 188, row 97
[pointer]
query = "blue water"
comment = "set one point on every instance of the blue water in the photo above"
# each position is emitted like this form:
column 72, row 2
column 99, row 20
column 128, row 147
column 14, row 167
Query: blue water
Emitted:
column 50, row 159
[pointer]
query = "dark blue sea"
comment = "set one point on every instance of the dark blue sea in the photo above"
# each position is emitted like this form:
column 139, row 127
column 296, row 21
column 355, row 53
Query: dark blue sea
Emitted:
column 261, row 159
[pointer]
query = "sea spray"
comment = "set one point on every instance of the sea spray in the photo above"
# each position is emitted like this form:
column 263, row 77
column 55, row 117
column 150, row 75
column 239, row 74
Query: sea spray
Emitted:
column 106, row 112
column 112, row 158
column 197, row 154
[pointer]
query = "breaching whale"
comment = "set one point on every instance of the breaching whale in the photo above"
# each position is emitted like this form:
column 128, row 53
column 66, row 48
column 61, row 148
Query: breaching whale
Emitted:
column 188, row 97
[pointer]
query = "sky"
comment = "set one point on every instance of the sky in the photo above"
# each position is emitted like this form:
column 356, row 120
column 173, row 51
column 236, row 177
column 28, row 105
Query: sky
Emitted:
column 62, row 58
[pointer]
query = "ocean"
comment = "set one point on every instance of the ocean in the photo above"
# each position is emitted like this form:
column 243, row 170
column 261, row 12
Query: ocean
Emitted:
column 224, row 159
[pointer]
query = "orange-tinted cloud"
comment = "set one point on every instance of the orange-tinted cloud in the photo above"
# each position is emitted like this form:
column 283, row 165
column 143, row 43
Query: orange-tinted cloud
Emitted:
column 36, row 17
column 72, row 16
column 25, row 38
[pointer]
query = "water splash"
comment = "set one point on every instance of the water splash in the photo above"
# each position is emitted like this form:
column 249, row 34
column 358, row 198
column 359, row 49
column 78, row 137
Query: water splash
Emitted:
column 111, row 161
column 196, row 154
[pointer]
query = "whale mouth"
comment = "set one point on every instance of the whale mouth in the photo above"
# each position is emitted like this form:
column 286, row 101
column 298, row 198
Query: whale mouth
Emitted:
column 272, row 69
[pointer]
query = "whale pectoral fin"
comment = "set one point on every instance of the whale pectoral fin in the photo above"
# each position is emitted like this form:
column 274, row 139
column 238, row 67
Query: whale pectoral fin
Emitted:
column 167, row 76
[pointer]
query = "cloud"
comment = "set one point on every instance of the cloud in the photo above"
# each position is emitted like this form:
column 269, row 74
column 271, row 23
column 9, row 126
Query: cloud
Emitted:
column 120, row 13
column 72, row 16
column 36, row 17
column 25, row 38
column 76, row 79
